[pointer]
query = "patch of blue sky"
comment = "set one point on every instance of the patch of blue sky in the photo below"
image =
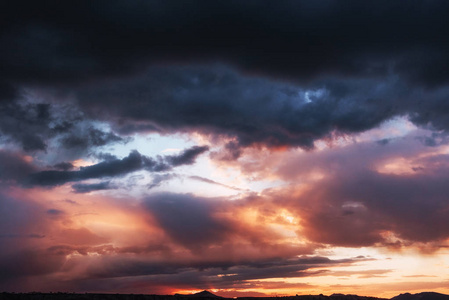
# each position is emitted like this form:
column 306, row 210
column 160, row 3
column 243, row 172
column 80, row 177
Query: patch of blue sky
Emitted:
column 154, row 144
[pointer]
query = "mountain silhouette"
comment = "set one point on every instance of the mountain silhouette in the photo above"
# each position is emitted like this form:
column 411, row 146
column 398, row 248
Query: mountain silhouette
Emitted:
column 203, row 294
column 206, row 295
column 422, row 296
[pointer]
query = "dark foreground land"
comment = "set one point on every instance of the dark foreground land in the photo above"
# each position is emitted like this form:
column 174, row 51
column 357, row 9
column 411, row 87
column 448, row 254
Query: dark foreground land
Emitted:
column 206, row 296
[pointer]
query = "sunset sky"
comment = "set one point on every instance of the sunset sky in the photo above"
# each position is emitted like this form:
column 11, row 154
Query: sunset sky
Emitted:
column 244, row 147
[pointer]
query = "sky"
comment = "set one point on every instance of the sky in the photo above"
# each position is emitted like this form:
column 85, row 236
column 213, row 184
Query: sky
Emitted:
column 250, row 148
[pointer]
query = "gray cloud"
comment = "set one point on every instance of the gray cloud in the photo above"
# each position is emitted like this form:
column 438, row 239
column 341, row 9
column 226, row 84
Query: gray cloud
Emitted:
column 91, row 138
column 13, row 166
column 180, row 274
column 217, row 100
column 114, row 167
column 81, row 188
column 356, row 205
column 27, row 124
column 186, row 157
column 35, row 126
column 187, row 219
column 64, row 166
column 207, row 180
column 157, row 179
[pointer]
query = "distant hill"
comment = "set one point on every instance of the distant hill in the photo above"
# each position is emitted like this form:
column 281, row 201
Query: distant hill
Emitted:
column 421, row 296
column 205, row 295
column 314, row 297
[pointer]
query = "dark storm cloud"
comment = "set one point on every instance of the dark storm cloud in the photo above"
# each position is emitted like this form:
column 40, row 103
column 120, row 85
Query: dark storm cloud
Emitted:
column 59, row 42
column 179, row 274
column 36, row 125
column 14, row 166
column 7, row 92
column 93, row 137
column 64, row 166
column 28, row 262
column 25, row 123
column 217, row 100
column 115, row 167
column 187, row 219
column 357, row 65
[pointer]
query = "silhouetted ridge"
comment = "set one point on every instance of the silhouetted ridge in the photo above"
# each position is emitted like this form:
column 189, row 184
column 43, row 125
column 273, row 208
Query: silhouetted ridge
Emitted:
column 422, row 296
column 206, row 295
column 203, row 294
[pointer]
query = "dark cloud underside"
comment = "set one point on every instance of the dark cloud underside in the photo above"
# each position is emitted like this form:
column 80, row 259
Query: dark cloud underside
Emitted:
column 115, row 168
column 356, row 64
column 292, row 39
column 81, row 188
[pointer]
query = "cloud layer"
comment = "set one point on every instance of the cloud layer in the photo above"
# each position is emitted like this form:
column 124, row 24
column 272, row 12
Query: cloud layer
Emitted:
column 310, row 141
column 293, row 39
column 115, row 167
